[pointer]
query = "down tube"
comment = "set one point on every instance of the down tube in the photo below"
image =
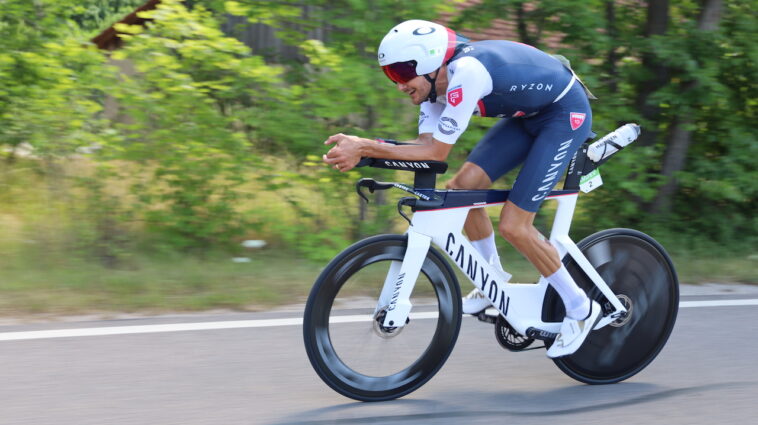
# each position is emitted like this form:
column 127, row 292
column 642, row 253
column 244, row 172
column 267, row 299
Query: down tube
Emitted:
column 520, row 303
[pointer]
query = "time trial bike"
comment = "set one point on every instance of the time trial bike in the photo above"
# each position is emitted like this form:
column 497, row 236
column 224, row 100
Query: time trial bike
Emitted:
column 384, row 315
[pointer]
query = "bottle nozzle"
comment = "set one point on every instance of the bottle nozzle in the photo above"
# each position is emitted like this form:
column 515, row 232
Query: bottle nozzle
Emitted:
column 637, row 128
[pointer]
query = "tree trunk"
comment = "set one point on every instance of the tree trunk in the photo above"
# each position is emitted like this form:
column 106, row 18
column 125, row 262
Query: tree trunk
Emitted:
column 673, row 161
column 681, row 134
column 523, row 26
column 657, row 24
column 710, row 15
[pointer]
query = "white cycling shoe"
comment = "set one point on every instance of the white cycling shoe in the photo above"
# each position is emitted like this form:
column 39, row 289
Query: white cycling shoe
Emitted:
column 475, row 302
column 574, row 332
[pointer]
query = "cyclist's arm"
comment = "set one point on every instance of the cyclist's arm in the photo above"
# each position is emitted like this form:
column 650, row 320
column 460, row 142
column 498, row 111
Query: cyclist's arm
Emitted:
column 439, row 125
column 349, row 150
column 428, row 147
column 469, row 81
column 425, row 147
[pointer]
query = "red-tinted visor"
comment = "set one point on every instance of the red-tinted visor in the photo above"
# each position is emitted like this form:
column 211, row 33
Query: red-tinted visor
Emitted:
column 401, row 72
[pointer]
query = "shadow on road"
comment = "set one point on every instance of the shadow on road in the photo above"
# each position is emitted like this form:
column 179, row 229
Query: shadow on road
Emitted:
column 469, row 405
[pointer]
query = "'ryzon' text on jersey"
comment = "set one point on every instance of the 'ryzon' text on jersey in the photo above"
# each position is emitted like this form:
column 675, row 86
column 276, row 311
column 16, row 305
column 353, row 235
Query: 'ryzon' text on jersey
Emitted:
column 531, row 86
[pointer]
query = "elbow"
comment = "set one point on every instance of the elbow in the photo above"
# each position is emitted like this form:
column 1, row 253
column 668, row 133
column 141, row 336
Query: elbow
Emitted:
column 439, row 157
column 440, row 151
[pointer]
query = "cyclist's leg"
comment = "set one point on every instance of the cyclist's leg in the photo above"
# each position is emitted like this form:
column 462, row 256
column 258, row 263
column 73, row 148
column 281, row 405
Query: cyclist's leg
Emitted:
column 516, row 226
column 557, row 138
column 504, row 146
column 558, row 134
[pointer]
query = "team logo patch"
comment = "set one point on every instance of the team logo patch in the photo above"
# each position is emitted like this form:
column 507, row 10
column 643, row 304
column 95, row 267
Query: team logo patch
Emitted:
column 447, row 126
column 454, row 97
column 422, row 117
column 576, row 119
column 518, row 114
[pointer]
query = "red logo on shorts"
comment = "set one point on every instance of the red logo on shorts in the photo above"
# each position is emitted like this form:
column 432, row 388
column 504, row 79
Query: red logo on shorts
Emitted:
column 454, row 97
column 518, row 114
column 577, row 119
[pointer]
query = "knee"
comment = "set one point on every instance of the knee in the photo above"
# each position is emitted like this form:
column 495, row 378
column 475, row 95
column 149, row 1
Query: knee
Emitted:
column 457, row 183
column 513, row 232
column 470, row 177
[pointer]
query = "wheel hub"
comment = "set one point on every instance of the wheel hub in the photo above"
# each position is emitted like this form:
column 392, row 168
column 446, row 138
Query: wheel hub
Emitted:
column 386, row 332
column 624, row 319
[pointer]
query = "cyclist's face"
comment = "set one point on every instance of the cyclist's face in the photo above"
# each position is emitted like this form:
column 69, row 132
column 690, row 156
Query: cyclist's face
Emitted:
column 417, row 89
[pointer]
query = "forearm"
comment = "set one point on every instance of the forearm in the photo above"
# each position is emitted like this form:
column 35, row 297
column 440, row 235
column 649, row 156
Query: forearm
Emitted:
column 424, row 148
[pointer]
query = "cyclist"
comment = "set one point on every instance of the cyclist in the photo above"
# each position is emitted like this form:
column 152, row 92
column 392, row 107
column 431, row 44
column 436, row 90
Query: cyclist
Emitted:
column 545, row 115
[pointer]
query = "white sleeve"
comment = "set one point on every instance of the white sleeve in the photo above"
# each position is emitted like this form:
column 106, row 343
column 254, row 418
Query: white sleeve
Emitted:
column 428, row 116
column 469, row 81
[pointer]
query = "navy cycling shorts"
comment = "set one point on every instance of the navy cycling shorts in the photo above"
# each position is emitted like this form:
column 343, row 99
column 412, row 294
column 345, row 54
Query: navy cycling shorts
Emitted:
column 544, row 143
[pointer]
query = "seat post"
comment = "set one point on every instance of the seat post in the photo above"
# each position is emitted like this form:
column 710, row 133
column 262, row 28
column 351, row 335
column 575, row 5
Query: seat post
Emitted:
column 579, row 166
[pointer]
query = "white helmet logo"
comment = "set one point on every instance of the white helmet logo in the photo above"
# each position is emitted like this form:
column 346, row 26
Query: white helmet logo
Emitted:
column 423, row 31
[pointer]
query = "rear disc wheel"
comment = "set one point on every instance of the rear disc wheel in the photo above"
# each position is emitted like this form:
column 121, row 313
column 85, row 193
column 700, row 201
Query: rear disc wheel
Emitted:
column 639, row 271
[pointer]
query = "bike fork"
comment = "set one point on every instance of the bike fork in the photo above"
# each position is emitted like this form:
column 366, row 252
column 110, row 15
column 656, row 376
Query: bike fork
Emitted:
column 401, row 278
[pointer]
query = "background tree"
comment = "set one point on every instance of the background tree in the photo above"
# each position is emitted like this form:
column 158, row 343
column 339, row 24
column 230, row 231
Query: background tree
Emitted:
column 683, row 70
column 209, row 116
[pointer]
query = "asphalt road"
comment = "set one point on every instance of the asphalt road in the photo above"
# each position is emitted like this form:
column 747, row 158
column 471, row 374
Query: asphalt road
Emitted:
column 252, row 369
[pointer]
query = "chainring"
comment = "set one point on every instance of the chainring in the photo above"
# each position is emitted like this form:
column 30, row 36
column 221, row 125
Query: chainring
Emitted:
column 508, row 338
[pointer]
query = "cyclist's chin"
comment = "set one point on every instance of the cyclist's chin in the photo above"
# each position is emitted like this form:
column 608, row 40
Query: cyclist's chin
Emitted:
column 417, row 97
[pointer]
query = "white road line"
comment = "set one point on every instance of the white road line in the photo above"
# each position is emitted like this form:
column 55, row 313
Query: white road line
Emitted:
column 262, row 323
column 717, row 303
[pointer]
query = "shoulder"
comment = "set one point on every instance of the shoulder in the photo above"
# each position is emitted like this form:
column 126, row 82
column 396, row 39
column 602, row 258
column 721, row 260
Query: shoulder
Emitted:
column 467, row 65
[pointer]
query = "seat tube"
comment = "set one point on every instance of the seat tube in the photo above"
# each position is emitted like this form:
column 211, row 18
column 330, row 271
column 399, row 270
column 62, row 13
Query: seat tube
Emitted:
column 402, row 286
column 564, row 214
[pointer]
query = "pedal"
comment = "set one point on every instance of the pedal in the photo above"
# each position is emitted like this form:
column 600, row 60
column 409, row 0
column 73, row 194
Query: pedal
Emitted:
column 541, row 334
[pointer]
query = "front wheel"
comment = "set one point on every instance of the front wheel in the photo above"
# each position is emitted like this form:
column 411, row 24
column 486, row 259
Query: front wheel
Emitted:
column 343, row 330
column 639, row 271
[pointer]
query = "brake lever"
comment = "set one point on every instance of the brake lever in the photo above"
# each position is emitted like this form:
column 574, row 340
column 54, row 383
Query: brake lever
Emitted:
column 372, row 185
column 409, row 201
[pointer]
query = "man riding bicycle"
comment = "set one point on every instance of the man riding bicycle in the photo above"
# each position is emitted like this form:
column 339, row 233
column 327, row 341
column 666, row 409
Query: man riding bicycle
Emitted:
column 546, row 117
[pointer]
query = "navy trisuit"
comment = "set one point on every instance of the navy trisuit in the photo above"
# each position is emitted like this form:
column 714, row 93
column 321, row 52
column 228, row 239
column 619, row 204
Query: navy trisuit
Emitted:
column 545, row 114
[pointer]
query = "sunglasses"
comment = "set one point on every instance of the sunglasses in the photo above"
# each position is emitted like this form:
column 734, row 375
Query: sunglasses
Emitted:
column 401, row 72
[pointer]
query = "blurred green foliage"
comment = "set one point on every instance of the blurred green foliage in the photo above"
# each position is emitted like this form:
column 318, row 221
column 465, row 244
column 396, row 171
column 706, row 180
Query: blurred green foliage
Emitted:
column 690, row 78
column 213, row 143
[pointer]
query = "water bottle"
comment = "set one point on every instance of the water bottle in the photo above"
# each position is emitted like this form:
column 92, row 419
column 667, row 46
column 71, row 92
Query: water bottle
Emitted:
column 614, row 141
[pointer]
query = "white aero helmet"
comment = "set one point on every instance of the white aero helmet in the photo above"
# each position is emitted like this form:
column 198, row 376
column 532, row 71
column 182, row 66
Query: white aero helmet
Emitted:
column 414, row 48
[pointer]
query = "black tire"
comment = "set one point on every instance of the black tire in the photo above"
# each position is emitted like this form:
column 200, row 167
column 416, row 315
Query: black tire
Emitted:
column 640, row 272
column 429, row 352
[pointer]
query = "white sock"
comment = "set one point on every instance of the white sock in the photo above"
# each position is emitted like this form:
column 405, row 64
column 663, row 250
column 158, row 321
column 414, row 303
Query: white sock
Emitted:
column 574, row 299
column 581, row 312
column 488, row 249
